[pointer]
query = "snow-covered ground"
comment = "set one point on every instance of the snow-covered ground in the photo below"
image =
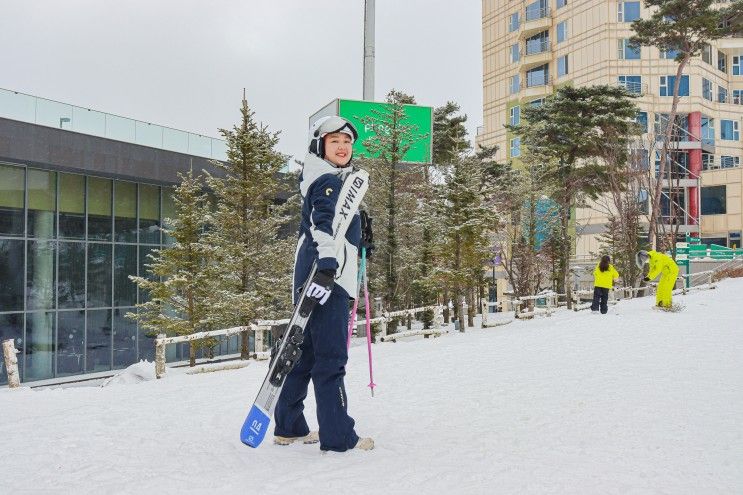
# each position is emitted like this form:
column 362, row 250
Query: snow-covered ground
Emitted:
column 637, row 401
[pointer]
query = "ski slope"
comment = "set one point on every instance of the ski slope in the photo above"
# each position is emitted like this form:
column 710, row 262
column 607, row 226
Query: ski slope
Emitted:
column 636, row 401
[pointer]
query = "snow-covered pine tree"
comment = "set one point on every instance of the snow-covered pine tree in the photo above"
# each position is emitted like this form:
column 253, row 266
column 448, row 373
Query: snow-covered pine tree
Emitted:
column 392, row 199
column 254, row 256
column 181, row 276
column 467, row 226
column 449, row 143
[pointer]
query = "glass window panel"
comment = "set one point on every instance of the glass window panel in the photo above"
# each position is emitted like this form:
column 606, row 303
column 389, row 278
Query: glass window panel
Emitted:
column 120, row 128
column 124, row 338
column 99, row 208
column 42, row 203
column 71, row 206
column 11, row 200
column 714, row 200
column 146, row 345
column 125, row 209
column 40, row 355
column 17, row 106
column 98, row 340
column 168, row 211
column 53, row 114
column 70, row 342
column 149, row 214
column 88, row 121
column 219, row 150
column 11, row 274
column 11, row 327
column 175, row 140
column 199, row 145
column 99, row 275
column 143, row 271
column 71, row 284
column 125, row 264
column 40, row 284
column 148, row 134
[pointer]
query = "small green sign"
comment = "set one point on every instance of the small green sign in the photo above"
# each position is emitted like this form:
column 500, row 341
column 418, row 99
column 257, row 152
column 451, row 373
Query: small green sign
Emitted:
column 354, row 111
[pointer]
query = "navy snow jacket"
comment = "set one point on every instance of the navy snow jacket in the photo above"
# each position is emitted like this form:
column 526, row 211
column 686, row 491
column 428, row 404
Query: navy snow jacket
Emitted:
column 320, row 185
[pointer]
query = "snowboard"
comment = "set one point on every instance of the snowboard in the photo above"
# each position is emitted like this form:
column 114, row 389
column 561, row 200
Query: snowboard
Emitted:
column 288, row 351
column 674, row 308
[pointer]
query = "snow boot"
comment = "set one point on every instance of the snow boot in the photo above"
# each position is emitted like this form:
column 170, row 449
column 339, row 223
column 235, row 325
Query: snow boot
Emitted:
column 364, row 443
column 311, row 437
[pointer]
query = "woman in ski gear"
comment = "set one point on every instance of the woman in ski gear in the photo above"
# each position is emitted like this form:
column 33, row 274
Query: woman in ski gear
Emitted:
column 324, row 352
column 604, row 276
column 663, row 265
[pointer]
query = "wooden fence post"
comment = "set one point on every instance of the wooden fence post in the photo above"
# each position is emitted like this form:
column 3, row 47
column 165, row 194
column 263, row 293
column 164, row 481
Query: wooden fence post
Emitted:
column 438, row 317
column 159, row 356
column 259, row 340
column 11, row 363
column 244, row 341
column 485, row 311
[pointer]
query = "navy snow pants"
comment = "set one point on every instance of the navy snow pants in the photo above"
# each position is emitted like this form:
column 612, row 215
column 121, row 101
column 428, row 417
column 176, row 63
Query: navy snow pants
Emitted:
column 600, row 300
column 324, row 357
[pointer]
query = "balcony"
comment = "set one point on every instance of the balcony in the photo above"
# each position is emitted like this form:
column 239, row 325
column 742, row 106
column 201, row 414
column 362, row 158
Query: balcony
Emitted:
column 536, row 18
column 640, row 89
column 536, row 89
column 535, row 53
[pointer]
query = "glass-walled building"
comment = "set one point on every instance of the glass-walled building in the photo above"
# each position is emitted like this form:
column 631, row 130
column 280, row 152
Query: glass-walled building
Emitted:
column 68, row 243
column 79, row 214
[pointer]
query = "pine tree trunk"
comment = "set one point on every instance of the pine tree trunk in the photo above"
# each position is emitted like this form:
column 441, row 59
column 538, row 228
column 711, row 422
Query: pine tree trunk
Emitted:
column 565, row 255
column 192, row 354
column 653, row 227
column 471, row 307
column 446, row 307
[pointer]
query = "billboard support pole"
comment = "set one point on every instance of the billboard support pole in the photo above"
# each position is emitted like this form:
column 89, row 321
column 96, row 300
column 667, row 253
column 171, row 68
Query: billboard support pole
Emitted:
column 369, row 50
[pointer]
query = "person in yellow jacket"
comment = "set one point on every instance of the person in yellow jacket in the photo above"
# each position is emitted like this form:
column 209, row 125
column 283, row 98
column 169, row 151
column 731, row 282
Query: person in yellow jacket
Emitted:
column 663, row 265
column 604, row 276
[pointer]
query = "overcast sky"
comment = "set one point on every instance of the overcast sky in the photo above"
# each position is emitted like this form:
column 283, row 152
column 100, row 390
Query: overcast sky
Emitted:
column 184, row 63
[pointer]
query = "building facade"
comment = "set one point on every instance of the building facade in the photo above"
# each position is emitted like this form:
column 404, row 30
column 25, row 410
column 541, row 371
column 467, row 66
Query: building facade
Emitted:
column 83, row 195
column 531, row 47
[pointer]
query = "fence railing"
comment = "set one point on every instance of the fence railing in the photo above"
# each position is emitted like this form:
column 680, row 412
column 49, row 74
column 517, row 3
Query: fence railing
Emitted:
column 546, row 303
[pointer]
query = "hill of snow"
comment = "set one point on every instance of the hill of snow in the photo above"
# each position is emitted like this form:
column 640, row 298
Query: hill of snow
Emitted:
column 637, row 401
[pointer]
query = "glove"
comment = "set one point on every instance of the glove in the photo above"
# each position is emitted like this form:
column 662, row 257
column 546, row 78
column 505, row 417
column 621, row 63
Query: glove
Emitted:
column 646, row 279
column 321, row 286
column 367, row 236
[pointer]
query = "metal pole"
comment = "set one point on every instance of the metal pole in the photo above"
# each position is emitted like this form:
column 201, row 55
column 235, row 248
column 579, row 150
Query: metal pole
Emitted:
column 369, row 50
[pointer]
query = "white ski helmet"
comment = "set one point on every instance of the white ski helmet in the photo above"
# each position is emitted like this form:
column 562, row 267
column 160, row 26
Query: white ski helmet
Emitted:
column 329, row 125
column 641, row 258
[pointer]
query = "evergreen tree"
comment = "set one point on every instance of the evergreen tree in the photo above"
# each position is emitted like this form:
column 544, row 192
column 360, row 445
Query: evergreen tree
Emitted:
column 684, row 27
column 449, row 134
column 566, row 135
column 180, row 282
column 392, row 199
column 466, row 226
column 254, row 259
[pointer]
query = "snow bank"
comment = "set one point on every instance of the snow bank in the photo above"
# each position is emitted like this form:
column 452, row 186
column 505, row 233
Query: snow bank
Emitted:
column 635, row 401
column 136, row 373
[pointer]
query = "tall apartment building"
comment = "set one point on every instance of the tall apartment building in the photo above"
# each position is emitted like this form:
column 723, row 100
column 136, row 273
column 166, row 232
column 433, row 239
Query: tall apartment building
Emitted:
column 531, row 47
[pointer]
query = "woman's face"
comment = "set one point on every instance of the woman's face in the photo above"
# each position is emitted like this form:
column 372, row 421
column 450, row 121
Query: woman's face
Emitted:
column 338, row 148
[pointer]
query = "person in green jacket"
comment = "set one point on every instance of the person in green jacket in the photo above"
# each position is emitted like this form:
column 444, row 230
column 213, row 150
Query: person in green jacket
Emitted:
column 663, row 265
column 604, row 276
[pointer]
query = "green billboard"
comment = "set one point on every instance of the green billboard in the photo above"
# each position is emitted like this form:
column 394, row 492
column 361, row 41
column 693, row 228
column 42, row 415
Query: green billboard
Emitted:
column 354, row 111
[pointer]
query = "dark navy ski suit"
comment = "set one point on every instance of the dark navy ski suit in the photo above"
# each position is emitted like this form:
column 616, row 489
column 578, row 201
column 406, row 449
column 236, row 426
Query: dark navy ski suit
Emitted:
column 324, row 351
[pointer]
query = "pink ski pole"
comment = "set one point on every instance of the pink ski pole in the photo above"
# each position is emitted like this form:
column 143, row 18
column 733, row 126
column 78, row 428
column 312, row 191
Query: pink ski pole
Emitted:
column 352, row 319
column 368, row 324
